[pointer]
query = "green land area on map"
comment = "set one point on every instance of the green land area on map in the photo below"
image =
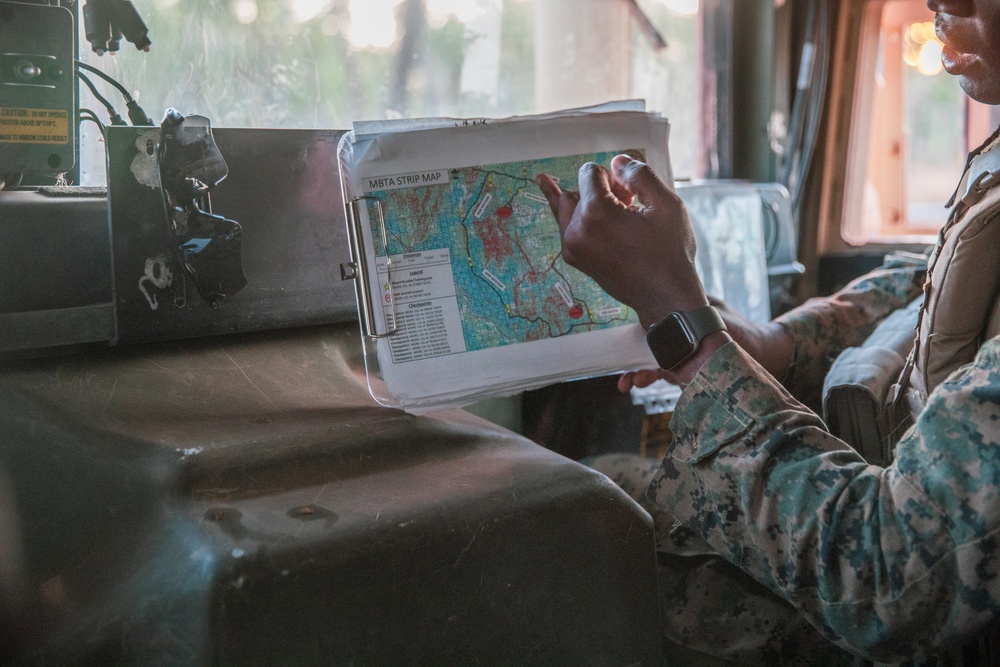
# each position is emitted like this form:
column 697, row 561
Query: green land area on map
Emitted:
column 511, row 283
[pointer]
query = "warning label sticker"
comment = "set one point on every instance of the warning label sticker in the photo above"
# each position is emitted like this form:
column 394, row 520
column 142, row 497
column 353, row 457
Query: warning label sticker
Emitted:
column 34, row 126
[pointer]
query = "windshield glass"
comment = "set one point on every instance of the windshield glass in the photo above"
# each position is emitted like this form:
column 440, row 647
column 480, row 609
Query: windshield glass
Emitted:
column 327, row 63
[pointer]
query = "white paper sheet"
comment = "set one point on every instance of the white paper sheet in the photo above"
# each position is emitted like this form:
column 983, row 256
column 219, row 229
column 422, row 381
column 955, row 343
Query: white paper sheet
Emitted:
column 482, row 303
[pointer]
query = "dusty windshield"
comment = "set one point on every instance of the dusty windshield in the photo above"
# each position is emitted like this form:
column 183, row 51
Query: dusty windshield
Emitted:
column 327, row 63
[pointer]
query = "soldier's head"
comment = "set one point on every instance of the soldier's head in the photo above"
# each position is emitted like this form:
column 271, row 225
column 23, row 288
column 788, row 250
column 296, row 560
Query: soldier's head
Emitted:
column 970, row 30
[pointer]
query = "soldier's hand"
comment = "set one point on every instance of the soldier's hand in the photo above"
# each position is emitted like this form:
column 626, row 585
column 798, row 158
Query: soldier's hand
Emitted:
column 640, row 253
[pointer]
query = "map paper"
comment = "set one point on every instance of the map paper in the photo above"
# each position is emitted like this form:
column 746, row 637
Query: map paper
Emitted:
column 470, row 278
column 485, row 238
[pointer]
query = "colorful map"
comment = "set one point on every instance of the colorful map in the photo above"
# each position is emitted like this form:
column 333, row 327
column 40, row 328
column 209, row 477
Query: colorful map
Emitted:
column 511, row 283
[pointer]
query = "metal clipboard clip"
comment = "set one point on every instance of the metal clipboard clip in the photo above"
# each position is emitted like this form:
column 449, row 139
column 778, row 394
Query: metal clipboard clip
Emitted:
column 359, row 271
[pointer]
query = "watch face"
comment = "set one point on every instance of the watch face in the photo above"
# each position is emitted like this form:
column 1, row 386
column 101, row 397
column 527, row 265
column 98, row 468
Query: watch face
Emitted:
column 671, row 341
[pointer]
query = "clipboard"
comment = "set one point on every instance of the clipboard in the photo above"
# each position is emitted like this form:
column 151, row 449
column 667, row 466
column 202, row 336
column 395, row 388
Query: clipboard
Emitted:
column 455, row 256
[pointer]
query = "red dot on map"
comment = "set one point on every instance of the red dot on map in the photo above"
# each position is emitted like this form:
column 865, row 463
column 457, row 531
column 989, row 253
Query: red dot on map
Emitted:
column 504, row 212
column 576, row 312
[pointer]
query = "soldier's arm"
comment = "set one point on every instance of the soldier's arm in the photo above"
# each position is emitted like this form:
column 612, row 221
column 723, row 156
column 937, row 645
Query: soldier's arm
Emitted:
column 824, row 327
column 889, row 563
column 799, row 347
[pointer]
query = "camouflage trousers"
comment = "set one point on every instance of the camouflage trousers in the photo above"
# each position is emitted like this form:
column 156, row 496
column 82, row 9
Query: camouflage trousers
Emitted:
column 713, row 613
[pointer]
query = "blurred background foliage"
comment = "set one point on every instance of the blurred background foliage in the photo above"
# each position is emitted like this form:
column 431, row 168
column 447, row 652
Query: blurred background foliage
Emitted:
column 328, row 63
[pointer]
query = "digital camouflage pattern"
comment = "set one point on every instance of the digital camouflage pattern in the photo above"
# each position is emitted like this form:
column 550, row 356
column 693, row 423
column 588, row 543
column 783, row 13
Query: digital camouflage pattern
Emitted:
column 712, row 612
column 891, row 562
column 836, row 548
column 822, row 328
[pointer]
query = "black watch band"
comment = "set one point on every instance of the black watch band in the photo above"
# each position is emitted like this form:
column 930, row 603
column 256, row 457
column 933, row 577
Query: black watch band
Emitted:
column 674, row 339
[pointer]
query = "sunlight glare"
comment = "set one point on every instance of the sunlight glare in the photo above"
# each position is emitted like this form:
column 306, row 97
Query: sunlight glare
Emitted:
column 307, row 10
column 922, row 49
column 930, row 58
column 245, row 11
column 373, row 23
column 682, row 7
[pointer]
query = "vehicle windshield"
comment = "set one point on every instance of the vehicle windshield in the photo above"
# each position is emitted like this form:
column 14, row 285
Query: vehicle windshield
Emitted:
column 328, row 63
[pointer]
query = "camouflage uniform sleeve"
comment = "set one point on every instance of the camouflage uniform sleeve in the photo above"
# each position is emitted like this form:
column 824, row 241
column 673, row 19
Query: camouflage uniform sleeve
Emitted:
column 824, row 327
column 888, row 563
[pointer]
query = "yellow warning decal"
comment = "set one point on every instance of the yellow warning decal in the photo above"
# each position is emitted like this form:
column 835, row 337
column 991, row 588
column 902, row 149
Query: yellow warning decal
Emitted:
column 34, row 126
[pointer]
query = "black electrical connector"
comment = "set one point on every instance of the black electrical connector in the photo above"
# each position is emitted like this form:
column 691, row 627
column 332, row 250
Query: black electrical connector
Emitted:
column 97, row 25
column 126, row 21
column 136, row 113
column 114, row 116
column 115, row 43
column 107, row 21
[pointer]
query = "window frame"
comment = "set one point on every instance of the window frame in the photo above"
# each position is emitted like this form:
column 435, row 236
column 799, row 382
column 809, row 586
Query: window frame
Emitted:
column 852, row 114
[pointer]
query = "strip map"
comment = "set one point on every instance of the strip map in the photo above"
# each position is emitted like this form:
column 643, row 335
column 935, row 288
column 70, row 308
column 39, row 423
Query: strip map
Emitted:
column 494, row 227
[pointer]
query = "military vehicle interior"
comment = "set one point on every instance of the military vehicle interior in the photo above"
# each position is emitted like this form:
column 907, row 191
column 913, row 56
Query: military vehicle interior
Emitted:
column 193, row 467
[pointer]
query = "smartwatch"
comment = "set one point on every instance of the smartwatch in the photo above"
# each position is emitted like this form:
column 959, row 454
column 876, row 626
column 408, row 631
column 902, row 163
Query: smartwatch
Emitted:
column 674, row 339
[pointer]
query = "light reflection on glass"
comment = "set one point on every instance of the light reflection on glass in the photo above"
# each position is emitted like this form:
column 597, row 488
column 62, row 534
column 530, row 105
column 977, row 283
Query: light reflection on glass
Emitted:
column 372, row 23
column 682, row 7
column 306, row 10
column 930, row 59
column 922, row 49
column 245, row 11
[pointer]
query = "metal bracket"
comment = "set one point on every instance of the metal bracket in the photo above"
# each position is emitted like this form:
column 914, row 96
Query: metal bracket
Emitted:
column 359, row 271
